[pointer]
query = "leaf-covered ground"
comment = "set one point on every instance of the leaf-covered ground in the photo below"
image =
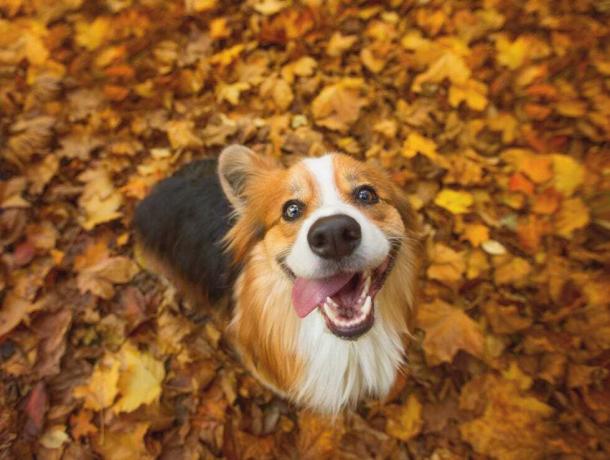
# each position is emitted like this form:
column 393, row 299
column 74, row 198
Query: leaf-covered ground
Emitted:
column 493, row 115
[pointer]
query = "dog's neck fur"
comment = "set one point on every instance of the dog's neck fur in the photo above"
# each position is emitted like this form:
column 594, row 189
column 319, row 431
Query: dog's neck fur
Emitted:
column 300, row 356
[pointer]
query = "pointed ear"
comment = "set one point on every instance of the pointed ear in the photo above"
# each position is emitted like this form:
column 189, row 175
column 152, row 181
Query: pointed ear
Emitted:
column 237, row 166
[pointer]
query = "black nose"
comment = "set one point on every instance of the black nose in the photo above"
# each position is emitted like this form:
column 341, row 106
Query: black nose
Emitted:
column 334, row 237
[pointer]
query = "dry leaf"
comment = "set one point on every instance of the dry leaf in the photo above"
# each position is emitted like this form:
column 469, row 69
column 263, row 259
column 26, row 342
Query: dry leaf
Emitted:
column 100, row 201
column 454, row 201
column 448, row 330
column 338, row 106
column 405, row 422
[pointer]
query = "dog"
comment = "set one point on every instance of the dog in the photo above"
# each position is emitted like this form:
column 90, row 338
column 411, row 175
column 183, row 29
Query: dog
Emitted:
column 321, row 257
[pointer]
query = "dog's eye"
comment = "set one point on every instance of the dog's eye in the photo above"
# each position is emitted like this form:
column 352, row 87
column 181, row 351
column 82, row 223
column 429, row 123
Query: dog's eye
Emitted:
column 366, row 194
column 293, row 209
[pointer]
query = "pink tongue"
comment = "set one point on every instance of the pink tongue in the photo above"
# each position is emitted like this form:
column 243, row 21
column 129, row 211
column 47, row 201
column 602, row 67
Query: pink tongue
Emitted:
column 307, row 294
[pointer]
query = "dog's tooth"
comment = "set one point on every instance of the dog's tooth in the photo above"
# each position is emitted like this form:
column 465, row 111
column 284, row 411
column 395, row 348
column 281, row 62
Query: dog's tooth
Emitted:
column 366, row 308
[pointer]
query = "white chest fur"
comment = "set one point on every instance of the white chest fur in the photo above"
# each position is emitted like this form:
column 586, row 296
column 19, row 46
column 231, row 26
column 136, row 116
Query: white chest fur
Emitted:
column 339, row 372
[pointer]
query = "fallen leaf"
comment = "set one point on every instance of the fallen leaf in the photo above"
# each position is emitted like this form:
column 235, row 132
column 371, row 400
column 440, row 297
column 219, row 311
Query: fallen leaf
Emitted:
column 54, row 437
column 81, row 424
column 140, row 379
column 100, row 277
column 454, row 201
column 102, row 387
column 448, row 330
column 405, row 422
column 449, row 66
column 122, row 443
column 572, row 215
column 100, row 201
column 511, row 425
column 447, row 265
column 338, row 106
column 569, row 174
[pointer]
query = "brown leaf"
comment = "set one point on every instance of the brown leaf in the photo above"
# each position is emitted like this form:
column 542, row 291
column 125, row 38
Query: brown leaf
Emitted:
column 448, row 330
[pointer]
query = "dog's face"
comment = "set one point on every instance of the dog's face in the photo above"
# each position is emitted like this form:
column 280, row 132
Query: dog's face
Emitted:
column 333, row 225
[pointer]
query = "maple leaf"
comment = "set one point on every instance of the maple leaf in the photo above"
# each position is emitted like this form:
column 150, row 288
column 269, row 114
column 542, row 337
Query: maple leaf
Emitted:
column 181, row 134
column 405, row 422
column 99, row 277
column 101, row 389
column 569, row 174
column 454, row 201
column 416, row 143
column 92, row 35
column 318, row 436
column 100, row 201
column 573, row 215
column 81, row 424
column 474, row 93
column 448, row 330
column 123, row 444
column 449, row 65
column 512, row 54
column 447, row 265
column 338, row 106
column 512, row 425
column 140, row 379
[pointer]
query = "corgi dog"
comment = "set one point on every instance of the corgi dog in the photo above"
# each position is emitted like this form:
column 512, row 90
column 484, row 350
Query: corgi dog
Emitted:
column 320, row 256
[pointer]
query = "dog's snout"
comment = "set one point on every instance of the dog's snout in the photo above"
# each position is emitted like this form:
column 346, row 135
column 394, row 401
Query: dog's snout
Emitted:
column 334, row 237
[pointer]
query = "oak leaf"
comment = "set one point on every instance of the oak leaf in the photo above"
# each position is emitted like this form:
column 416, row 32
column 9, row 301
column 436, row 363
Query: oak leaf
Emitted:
column 448, row 330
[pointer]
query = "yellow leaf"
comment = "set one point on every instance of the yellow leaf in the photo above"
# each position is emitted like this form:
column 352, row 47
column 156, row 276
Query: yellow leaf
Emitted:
column 447, row 264
column 140, row 379
column 199, row 6
column 514, row 373
column 511, row 54
column 448, row 330
column 405, row 422
column 537, row 167
column 572, row 215
column 54, row 437
column 511, row 425
column 318, row 436
column 571, row 108
column 181, row 134
column 474, row 93
column 227, row 56
column 338, row 44
column 270, row 7
column 92, row 35
column 101, row 389
column 338, row 106
column 231, row 92
column 449, row 65
column 511, row 270
column 100, row 201
column 454, row 201
column 123, row 444
column 569, row 174
column 476, row 233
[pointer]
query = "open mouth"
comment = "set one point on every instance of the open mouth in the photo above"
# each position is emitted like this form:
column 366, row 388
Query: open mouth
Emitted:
column 346, row 301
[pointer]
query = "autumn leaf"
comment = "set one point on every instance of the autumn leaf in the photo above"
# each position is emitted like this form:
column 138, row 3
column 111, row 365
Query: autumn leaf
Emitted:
column 568, row 174
column 447, row 265
column 338, row 106
column 100, row 201
column 572, row 215
column 318, row 436
column 101, row 388
column 416, row 143
column 448, row 330
column 140, row 379
column 81, row 424
column 454, row 201
column 405, row 422
column 511, row 270
column 100, row 277
column 449, row 66
column 126, row 443
column 512, row 425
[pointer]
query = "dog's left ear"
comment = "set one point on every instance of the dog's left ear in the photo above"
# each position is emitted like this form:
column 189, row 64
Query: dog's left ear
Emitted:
column 237, row 166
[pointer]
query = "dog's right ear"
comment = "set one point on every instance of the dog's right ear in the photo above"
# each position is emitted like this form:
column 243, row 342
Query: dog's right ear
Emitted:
column 237, row 165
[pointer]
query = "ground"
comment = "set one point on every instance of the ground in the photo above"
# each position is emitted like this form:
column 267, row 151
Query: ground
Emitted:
column 493, row 116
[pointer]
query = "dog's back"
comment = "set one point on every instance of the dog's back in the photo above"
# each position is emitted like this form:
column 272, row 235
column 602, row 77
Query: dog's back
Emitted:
column 180, row 226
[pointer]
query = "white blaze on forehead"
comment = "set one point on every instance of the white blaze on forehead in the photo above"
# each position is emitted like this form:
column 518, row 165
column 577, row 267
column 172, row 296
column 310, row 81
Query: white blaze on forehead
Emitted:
column 374, row 246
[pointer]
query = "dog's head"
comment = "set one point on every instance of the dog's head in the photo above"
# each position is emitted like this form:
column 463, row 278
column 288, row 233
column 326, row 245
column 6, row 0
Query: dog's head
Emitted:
column 333, row 225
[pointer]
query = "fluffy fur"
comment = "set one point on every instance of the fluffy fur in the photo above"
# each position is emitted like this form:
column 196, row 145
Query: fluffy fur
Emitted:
column 298, row 358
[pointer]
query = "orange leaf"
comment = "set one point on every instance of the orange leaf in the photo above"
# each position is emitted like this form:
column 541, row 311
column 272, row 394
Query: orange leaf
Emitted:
column 448, row 330
column 519, row 183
